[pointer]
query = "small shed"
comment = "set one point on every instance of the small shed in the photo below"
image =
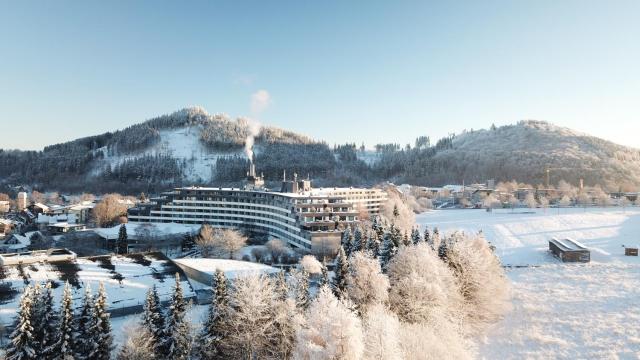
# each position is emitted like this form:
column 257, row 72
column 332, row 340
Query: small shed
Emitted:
column 569, row 250
column 631, row 251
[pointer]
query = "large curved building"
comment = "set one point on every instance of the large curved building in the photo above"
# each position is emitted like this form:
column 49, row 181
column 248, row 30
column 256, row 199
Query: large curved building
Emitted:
column 307, row 218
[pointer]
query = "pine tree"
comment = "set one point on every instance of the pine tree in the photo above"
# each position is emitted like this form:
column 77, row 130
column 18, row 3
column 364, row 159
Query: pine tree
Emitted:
column 427, row 237
column 123, row 240
column 86, row 329
column 153, row 319
column 211, row 340
column 435, row 240
column 357, row 243
column 387, row 250
column 47, row 321
column 63, row 348
column 339, row 283
column 396, row 213
column 443, row 250
column 415, row 236
column 37, row 314
column 302, row 290
column 324, row 279
column 177, row 344
column 103, row 326
column 373, row 244
column 188, row 242
column 405, row 239
column 21, row 344
column 347, row 241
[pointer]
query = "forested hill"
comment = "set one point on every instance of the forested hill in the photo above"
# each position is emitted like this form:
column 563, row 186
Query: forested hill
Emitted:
column 191, row 146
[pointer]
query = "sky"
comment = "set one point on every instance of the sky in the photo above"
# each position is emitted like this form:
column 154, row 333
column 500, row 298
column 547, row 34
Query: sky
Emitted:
column 340, row 71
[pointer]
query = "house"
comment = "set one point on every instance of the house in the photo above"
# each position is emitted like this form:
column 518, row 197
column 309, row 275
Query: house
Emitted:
column 64, row 227
column 569, row 250
column 14, row 243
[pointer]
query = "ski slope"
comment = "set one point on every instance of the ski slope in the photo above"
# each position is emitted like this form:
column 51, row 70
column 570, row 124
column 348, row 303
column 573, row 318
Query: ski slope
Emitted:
column 560, row 311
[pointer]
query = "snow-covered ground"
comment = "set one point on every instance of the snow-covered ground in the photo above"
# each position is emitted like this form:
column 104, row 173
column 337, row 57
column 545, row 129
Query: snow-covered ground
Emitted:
column 126, row 280
column 567, row 311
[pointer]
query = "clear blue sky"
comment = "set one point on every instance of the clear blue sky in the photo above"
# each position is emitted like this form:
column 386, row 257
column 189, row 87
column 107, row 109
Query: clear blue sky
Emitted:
column 373, row 71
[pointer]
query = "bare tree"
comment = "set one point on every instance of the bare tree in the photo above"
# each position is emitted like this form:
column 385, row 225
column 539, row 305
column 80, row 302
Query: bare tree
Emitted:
column 108, row 211
column 217, row 242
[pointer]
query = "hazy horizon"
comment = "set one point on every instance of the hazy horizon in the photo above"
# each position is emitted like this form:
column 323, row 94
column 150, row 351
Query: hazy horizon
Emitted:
column 341, row 72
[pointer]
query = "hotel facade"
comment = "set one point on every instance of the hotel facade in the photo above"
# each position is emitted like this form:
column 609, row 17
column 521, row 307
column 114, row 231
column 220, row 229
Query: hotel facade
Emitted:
column 312, row 219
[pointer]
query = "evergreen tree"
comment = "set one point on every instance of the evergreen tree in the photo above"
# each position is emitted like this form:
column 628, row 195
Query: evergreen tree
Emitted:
column 63, row 348
column 211, row 340
column 47, row 321
column 339, row 283
column 302, row 290
column 373, row 244
column 377, row 227
column 188, row 242
column 443, row 250
column 357, row 243
column 123, row 240
column 153, row 319
column 103, row 326
column 415, row 236
column 387, row 250
column 347, row 241
column 324, row 279
column 427, row 237
column 405, row 239
column 177, row 344
column 435, row 240
column 21, row 342
column 86, row 329
column 37, row 314
column 396, row 213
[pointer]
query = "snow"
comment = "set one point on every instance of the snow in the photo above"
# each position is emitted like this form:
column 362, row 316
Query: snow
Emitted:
column 560, row 311
column 135, row 279
column 183, row 144
column 231, row 268
column 161, row 228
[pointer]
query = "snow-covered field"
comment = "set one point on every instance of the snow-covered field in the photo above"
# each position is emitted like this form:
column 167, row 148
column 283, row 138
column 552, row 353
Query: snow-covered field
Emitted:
column 126, row 280
column 567, row 311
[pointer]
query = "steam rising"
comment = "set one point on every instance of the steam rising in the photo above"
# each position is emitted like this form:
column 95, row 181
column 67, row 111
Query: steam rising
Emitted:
column 260, row 101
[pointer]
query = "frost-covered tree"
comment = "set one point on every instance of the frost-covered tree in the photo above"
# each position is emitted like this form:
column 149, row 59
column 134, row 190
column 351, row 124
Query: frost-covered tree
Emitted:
column 251, row 323
column 373, row 244
column 63, row 349
column 46, row 323
column 427, row 236
column 530, row 201
column 331, row 331
column 443, row 249
column 123, row 240
column 153, row 321
column 22, row 344
column 311, row 265
column 299, row 286
column 324, row 277
column 339, row 282
column 86, row 328
column 422, row 286
column 358, row 240
column 286, row 321
column 435, row 340
column 347, row 241
column 217, row 242
column 415, row 236
column 481, row 279
column 137, row 345
column 366, row 284
column 387, row 251
column 177, row 334
column 211, row 340
column 381, row 334
column 103, row 326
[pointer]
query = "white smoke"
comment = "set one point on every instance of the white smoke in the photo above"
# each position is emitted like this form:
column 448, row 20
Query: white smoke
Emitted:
column 260, row 101
column 253, row 129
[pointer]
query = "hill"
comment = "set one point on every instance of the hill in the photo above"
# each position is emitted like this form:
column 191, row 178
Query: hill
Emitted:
column 523, row 152
column 191, row 146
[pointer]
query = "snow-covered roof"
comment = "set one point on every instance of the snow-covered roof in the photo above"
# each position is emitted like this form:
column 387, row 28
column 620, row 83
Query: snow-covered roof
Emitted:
column 16, row 242
column 231, row 268
column 162, row 228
